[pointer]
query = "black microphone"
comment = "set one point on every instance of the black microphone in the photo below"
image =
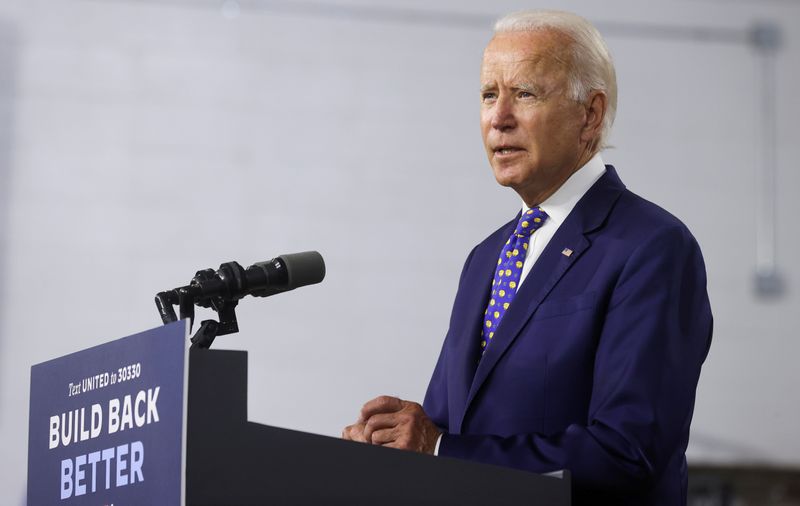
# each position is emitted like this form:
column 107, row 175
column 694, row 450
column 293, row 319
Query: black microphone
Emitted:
column 262, row 279
column 286, row 272
column 232, row 282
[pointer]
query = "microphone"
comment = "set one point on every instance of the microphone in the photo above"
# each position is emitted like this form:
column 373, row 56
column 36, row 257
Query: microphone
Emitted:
column 262, row 279
column 231, row 282
column 287, row 272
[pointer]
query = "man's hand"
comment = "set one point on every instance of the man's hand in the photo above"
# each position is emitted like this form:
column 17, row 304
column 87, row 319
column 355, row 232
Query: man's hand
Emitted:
column 389, row 421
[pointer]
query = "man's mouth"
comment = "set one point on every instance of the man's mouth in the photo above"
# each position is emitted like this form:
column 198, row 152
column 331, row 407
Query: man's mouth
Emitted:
column 506, row 150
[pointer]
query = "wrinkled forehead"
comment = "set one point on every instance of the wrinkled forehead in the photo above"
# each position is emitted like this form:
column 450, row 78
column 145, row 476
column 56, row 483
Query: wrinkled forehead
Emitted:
column 545, row 53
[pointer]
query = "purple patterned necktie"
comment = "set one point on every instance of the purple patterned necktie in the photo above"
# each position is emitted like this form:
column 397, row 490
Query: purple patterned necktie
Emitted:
column 509, row 269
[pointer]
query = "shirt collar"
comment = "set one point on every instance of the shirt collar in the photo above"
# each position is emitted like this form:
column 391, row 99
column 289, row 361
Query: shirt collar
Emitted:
column 560, row 204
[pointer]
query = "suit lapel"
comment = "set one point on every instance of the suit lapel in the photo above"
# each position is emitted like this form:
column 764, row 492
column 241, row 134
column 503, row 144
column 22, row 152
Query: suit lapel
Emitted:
column 589, row 214
column 465, row 348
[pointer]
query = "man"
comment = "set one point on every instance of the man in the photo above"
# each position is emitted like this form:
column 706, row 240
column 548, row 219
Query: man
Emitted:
column 579, row 327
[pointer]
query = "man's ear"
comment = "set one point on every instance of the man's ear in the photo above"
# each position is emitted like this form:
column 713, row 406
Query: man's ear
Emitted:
column 595, row 113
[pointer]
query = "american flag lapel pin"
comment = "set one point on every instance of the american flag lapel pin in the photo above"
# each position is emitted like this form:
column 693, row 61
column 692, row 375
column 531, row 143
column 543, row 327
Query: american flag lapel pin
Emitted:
column 567, row 252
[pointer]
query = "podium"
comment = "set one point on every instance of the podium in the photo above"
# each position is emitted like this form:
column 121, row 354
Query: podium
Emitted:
column 229, row 460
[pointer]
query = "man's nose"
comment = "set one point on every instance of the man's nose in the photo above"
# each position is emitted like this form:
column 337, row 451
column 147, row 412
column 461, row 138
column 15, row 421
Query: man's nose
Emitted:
column 503, row 114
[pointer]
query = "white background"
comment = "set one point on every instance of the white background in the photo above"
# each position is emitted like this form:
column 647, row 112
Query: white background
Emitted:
column 143, row 140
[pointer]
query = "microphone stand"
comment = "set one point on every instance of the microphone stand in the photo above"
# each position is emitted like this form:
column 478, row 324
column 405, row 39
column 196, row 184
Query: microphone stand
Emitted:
column 186, row 297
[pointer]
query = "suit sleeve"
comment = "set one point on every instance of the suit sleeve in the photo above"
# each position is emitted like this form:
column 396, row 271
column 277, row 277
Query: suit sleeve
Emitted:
column 655, row 336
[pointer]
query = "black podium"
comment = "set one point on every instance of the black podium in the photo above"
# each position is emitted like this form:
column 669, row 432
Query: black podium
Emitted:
column 231, row 461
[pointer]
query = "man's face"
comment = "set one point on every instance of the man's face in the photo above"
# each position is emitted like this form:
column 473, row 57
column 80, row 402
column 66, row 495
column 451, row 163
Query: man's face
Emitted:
column 531, row 128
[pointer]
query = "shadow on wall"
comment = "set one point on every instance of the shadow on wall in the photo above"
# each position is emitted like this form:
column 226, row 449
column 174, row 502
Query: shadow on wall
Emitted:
column 8, row 46
column 8, row 61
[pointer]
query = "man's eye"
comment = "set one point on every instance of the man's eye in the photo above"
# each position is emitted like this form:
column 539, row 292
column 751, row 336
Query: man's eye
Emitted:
column 488, row 97
column 525, row 94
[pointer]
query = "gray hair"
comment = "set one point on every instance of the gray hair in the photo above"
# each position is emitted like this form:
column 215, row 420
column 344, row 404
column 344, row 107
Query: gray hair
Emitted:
column 591, row 66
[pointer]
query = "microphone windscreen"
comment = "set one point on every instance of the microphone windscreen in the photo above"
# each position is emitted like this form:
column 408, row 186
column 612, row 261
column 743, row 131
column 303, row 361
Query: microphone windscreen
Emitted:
column 306, row 268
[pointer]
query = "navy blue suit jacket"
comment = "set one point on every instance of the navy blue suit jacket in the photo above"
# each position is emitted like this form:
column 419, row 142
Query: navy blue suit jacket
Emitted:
column 595, row 364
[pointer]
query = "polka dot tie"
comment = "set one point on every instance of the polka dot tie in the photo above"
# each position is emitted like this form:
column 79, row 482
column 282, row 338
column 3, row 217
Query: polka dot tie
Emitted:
column 509, row 270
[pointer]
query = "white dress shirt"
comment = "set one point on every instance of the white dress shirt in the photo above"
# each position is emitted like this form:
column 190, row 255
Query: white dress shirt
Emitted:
column 557, row 206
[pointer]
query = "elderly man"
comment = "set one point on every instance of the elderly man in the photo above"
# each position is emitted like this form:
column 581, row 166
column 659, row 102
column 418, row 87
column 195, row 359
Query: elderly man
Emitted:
column 579, row 328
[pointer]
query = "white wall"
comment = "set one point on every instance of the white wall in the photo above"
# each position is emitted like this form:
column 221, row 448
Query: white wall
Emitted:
column 279, row 132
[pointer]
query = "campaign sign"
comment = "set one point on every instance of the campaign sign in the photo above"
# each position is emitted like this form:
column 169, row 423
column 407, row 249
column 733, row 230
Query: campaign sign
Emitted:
column 107, row 424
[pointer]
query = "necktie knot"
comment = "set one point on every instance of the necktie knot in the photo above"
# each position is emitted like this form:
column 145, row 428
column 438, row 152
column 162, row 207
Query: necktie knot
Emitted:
column 530, row 221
